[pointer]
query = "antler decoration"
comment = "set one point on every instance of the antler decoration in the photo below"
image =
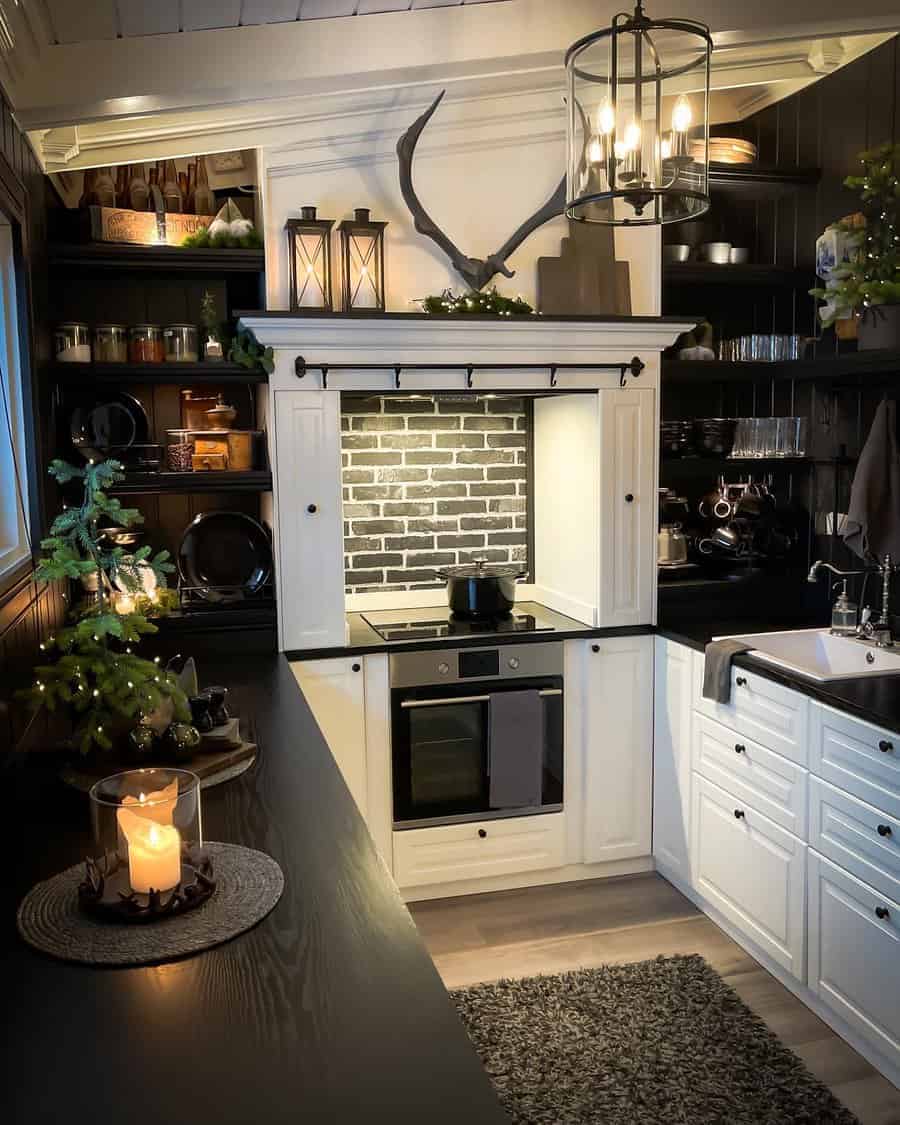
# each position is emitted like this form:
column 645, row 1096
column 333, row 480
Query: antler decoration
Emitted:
column 477, row 272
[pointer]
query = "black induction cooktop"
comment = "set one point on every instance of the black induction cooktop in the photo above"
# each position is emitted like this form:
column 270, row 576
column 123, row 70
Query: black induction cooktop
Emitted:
column 431, row 625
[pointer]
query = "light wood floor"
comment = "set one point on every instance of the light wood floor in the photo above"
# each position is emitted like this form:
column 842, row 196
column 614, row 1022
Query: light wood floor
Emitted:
column 574, row 925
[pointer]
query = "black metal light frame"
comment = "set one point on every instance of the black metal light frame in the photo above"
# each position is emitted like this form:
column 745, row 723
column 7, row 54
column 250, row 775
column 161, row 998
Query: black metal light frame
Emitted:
column 309, row 224
column 645, row 192
column 373, row 263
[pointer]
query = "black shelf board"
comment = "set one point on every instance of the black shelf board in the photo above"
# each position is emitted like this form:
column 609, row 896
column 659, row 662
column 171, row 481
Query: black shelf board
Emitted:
column 238, row 615
column 700, row 465
column 747, row 274
column 185, row 374
column 252, row 480
column 752, row 175
column 121, row 257
column 855, row 369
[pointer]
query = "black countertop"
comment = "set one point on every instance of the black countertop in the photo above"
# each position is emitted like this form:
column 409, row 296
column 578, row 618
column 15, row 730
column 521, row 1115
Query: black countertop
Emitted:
column 875, row 698
column 329, row 1011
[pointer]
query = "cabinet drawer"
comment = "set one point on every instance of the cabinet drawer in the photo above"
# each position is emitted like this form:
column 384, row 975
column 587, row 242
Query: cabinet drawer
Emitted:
column 854, row 950
column 475, row 851
column 857, row 836
column 856, row 756
column 772, row 784
column 752, row 871
column 772, row 715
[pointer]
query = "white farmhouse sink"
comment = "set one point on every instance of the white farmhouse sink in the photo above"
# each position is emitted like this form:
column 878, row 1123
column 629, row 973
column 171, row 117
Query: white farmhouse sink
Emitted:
column 817, row 655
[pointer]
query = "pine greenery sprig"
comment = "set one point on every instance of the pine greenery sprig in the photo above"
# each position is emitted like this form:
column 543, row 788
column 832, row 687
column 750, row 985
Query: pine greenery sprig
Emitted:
column 95, row 674
column 475, row 302
column 873, row 279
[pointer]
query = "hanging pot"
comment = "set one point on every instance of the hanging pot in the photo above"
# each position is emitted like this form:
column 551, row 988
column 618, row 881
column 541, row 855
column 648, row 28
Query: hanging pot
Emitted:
column 481, row 589
column 879, row 327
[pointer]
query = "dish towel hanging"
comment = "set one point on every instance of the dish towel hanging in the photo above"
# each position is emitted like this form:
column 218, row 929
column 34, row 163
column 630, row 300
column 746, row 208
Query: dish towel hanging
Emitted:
column 873, row 521
column 717, row 668
column 516, row 749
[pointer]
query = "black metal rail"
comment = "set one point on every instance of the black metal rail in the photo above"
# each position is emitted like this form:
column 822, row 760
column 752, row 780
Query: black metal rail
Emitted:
column 633, row 367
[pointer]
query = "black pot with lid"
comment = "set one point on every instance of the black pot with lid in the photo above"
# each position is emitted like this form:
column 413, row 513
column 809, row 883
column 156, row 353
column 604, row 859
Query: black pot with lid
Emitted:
column 481, row 589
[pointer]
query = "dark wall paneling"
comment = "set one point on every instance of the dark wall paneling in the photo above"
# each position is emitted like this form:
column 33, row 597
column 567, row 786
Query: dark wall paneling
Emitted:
column 28, row 609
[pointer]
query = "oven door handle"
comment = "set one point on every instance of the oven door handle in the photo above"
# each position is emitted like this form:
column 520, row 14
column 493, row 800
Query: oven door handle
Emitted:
column 409, row 704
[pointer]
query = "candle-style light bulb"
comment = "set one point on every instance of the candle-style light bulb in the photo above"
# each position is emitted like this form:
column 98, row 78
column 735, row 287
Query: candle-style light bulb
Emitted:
column 595, row 151
column 632, row 137
column 606, row 117
column 665, row 148
column 682, row 116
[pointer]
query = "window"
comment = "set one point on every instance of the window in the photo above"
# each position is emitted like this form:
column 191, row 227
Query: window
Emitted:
column 14, row 533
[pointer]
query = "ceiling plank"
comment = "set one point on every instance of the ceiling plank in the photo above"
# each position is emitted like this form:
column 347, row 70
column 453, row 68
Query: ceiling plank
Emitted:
column 203, row 15
column 74, row 23
column 326, row 9
column 269, row 11
column 371, row 7
column 137, row 17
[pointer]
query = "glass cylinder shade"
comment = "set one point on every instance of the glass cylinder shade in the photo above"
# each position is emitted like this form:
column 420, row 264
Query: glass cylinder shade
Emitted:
column 309, row 252
column 638, row 122
column 147, row 830
column 362, row 262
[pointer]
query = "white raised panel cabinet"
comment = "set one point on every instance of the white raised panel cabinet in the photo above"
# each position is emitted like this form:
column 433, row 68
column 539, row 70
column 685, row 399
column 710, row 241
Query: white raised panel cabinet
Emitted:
column 628, row 506
column 752, row 871
column 617, row 747
column 310, row 567
column 854, row 952
column 336, row 694
column 672, row 758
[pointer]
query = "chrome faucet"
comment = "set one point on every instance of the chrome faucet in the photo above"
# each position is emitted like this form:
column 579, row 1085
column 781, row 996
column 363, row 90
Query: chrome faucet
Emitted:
column 877, row 632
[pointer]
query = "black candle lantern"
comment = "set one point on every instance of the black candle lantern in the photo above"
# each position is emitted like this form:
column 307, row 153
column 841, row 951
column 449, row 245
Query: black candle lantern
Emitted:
column 362, row 262
column 309, row 247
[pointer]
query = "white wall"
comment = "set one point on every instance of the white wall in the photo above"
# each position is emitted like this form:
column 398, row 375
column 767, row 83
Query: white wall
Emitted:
column 482, row 166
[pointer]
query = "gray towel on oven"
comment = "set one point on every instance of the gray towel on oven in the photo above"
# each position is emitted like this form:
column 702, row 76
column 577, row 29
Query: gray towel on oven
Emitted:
column 516, row 749
column 717, row 668
column 873, row 519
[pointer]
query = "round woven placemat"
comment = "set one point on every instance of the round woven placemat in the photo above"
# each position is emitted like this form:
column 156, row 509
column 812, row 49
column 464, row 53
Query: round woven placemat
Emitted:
column 248, row 885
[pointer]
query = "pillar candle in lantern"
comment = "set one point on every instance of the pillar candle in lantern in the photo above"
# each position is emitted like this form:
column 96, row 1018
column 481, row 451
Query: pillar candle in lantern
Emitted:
column 154, row 852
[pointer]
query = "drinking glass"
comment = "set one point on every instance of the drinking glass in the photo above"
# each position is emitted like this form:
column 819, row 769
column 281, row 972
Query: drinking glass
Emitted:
column 768, row 437
column 799, row 428
column 784, row 437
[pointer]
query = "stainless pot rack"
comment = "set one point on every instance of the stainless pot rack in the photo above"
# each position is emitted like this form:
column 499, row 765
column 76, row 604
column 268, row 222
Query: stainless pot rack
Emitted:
column 633, row 367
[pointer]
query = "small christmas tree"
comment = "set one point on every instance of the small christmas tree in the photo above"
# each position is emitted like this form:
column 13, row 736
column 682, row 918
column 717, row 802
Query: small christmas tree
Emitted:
column 95, row 675
column 873, row 279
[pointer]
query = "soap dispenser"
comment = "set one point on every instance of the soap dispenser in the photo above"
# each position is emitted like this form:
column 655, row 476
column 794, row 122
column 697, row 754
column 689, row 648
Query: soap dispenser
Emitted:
column 844, row 614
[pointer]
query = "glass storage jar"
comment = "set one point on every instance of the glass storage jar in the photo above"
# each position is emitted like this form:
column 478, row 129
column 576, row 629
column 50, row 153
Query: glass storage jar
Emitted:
column 145, row 344
column 72, row 343
column 181, row 344
column 110, row 343
column 179, row 451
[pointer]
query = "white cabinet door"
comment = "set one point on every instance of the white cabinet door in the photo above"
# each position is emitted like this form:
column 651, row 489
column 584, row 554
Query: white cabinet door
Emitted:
column 628, row 506
column 335, row 692
column 672, row 758
column 752, row 871
column 309, row 519
column 618, row 747
column 856, row 756
column 854, row 951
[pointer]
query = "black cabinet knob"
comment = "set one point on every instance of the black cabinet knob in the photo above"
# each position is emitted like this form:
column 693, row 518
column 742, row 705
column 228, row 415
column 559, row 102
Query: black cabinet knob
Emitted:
column 629, row 497
column 482, row 833
column 356, row 667
column 595, row 648
column 740, row 748
column 741, row 681
column 885, row 830
column 312, row 509
column 738, row 814
column 885, row 747
column 882, row 912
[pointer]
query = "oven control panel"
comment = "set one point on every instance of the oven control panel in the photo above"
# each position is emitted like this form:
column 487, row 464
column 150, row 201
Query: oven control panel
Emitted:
column 496, row 662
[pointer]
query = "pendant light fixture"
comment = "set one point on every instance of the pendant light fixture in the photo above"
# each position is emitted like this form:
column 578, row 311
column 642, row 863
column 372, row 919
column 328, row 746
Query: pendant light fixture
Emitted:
column 638, row 122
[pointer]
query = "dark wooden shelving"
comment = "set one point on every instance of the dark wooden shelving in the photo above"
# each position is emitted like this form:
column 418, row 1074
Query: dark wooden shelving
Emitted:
column 748, row 176
column 185, row 374
column 701, row 465
column 748, row 274
column 856, row 369
column 254, row 480
column 114, row 257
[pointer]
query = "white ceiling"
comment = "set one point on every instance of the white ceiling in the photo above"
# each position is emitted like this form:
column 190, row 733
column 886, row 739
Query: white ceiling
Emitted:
column 84, row 21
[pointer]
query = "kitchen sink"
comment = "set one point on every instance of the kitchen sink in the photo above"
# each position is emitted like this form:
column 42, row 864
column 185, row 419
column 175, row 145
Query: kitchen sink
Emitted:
column 817, row 655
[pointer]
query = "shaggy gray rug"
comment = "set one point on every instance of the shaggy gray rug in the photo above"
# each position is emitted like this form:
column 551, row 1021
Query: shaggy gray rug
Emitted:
column 662, row 1042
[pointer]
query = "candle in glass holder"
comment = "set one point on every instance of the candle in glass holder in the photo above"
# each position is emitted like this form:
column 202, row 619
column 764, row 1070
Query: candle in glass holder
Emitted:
column 154, row 852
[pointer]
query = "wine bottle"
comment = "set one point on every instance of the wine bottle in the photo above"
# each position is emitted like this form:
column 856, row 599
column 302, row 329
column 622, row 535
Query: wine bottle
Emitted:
column 88, row 190
column 204, row 200
column 170, row 190
column 191, row 187
column 104, row 188
column 138, row 189
column 123, row 175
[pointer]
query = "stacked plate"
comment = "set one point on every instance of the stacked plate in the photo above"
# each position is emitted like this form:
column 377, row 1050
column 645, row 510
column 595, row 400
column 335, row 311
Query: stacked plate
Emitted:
column 675, row 438
column 714, row 437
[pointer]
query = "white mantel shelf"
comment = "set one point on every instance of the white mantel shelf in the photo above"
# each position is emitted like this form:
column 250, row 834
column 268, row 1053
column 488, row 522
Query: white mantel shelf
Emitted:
column 399, row 338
